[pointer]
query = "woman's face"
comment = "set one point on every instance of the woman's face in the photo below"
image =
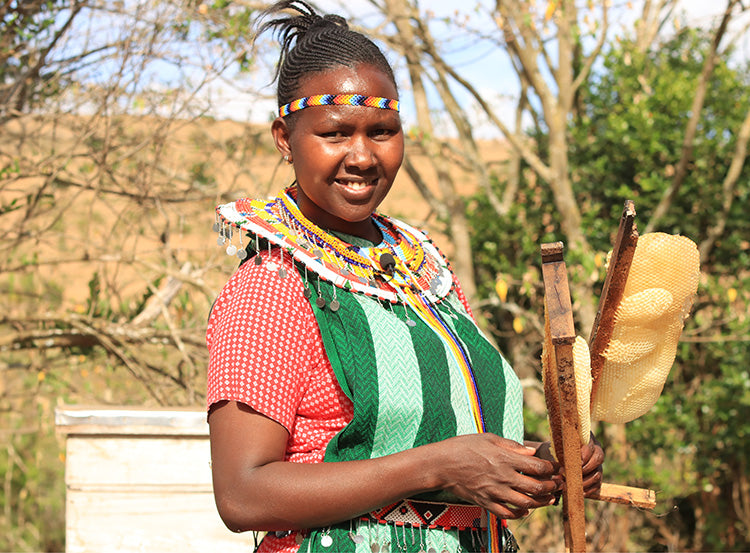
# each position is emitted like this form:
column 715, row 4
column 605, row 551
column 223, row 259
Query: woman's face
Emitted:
column 345, row 157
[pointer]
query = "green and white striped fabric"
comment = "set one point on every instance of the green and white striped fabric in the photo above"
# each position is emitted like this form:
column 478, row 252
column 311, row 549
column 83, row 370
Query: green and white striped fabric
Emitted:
column 407, row 391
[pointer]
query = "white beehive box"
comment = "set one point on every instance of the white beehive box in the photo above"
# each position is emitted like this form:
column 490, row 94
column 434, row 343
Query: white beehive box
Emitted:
column 140, row 480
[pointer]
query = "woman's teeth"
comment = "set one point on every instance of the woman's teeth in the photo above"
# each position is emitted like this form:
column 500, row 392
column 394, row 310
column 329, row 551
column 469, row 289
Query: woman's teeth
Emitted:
column 354, row 185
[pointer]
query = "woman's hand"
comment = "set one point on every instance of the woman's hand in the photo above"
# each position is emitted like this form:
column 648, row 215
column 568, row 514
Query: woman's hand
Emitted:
column 500, row 475
column 592, row 458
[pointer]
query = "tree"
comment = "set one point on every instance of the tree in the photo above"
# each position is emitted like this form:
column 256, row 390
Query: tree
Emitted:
column 630, row 140
column 107, row 187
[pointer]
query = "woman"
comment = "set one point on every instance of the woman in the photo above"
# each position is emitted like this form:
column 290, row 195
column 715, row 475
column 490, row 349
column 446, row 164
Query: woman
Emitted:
column 353, row 403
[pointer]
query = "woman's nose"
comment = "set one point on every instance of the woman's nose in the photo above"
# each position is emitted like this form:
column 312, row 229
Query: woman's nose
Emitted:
column 360, row 154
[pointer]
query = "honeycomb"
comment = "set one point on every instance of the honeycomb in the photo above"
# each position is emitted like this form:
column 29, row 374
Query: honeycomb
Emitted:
column 658, row 296
column 582, row 366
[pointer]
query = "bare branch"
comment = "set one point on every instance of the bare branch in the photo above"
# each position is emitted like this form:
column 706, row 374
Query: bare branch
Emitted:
column 653, row 16
column 728, row 189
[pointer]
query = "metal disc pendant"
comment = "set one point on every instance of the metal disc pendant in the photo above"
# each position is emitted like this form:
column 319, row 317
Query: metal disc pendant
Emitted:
column 282, row 273
column 220, row 240
column 410, row 322
column 431, row 550
column 231, row 249
column 434, row 283
column 307, row 293
column 216, row 227
column 326, row 541
column 258, row 259
column 299, row 538
column 320, row 302
column 318, row 254
column 334, row 305
column 242, row 253
column 375, row 548
column 356, row 538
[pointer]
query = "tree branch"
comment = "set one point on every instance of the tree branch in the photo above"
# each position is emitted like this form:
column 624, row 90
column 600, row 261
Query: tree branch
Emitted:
column 728, row 188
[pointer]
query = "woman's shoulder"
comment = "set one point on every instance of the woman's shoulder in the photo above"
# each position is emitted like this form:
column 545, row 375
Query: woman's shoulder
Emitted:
column 262, row 287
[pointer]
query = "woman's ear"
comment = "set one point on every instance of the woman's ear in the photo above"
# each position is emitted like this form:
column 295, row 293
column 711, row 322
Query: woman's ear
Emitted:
column 280, row 132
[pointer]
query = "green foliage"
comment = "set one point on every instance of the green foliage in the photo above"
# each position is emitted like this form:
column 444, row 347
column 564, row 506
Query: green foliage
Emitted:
column 699, row 428
column 692, row 446
column 32, row 468
column 508, row 249
column 628, row 140
column 226, row 23
column 626, row 145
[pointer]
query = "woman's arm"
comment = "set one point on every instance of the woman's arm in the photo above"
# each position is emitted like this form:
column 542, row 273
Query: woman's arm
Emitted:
column 255, row 489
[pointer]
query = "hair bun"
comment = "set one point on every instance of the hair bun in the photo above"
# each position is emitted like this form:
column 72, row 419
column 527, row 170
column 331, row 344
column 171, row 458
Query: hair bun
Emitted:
column 335, row 19
column 317, row 23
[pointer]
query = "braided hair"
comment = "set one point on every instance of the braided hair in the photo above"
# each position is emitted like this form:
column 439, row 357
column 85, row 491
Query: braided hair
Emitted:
column 311, row 43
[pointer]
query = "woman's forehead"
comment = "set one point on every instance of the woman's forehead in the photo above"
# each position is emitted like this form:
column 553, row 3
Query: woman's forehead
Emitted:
column 360, row 79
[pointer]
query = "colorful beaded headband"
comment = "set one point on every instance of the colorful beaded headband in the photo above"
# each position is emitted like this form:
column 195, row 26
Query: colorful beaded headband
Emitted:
column 338, row 100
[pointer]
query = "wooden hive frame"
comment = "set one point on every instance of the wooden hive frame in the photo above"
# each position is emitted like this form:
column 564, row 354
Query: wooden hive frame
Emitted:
column 560, row 386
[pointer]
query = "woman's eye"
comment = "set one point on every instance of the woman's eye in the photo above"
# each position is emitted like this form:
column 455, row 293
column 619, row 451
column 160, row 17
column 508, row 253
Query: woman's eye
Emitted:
column 382, row 133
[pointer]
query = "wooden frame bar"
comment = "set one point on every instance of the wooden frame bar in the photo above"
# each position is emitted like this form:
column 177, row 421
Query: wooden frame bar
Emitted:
column 561, row 376
column 559, row 386
column 614, row 286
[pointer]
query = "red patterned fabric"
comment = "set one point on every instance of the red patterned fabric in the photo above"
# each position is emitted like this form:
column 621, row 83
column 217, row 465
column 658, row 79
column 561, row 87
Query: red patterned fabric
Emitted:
column 433, row 515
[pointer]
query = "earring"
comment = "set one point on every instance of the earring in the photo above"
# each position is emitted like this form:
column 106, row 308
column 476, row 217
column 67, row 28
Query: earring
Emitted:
column 288, row 159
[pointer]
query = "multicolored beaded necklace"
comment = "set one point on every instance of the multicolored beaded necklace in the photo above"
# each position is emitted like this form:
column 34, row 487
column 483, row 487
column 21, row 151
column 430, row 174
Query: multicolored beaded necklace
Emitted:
column 411, row 260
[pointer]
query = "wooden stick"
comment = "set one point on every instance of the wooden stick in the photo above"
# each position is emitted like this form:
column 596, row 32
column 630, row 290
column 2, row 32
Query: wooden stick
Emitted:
column 614, row 286
column 625, row 495
column 562, row 335
column 623, row 250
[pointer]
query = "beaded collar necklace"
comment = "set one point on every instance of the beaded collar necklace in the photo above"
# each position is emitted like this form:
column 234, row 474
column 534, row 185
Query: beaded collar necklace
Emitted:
column 405, row 261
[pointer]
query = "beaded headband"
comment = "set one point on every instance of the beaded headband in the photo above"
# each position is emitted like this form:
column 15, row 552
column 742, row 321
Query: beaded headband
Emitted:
column 338, row 100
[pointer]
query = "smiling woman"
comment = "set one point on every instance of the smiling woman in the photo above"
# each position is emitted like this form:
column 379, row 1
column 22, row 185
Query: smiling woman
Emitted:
column 354, row 405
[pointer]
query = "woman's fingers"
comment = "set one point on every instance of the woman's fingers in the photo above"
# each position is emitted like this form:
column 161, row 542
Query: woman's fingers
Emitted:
column 592, row 457
column 542, row 489
column 518, row 505
column 502, row 510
